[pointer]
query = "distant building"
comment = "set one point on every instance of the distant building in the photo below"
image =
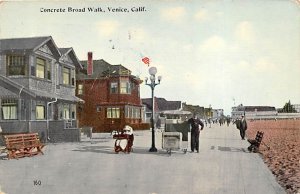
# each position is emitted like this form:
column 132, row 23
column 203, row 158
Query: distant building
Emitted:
column 162, row 108
column 37, row 88
column 296, row 107
column 218, row 113
column 194, row 109
column 253, row 111
column 111, row 95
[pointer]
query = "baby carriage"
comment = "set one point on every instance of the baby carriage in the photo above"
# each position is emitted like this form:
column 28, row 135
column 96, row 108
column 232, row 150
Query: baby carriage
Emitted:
column 124, row 140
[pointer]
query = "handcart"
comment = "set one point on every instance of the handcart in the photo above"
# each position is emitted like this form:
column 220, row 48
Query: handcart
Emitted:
column 171, row 141
column 176, row 137
column 123, row 140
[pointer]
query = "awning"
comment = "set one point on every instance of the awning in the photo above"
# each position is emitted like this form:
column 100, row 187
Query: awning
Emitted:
column 5, row 93
column 65, row 97
column 176, row 112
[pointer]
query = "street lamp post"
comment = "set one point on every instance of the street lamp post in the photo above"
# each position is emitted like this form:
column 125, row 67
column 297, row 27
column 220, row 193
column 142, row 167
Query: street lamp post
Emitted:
column 152, row 84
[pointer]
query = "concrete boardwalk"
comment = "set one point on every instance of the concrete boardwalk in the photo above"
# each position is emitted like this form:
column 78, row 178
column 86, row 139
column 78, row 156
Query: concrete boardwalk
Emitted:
column 222, row 166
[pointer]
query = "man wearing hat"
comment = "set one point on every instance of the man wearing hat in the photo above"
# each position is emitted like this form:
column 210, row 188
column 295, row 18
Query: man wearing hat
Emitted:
column 195, row 132
column 243, row 127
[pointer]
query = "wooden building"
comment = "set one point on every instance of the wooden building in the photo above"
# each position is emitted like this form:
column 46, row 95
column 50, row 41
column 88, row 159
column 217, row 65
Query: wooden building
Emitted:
column 111, row 95
column 37, row 88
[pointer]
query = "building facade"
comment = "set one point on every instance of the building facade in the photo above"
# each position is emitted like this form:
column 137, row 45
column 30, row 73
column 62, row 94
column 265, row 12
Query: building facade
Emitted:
column 252, row 112
column 164, row 111
column 37, row 88
column 111, row 95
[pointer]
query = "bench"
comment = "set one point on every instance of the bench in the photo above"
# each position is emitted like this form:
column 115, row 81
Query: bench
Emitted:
column 255, row 143
column 21, row 145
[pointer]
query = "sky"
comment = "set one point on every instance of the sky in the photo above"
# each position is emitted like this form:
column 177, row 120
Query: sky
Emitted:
column 209, row 52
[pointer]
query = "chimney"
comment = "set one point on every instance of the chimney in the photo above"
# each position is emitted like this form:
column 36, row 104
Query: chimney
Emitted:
column 90, row 63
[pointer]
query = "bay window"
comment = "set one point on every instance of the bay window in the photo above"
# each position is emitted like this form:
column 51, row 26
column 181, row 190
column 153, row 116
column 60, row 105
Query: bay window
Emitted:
column 16, row 65
column 40, row 68
column 125, row 87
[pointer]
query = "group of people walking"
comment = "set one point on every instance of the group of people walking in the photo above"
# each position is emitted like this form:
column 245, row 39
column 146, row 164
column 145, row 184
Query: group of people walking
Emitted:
column 196, row 125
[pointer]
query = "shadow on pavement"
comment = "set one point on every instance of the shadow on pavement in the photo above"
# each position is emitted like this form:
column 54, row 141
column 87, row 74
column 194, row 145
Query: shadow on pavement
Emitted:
column 230, row 149
column 110, row 150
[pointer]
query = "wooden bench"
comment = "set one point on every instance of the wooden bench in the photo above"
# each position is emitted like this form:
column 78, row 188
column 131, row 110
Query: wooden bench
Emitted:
column 21, row 145
column 255, row 143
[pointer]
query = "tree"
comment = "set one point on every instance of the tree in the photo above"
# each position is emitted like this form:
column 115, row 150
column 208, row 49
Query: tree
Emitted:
column 288, row 108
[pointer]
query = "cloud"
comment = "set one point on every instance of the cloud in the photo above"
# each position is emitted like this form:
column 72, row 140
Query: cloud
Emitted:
column 213, row 44
column 264, row 65
column 245, row 32
column 174, row 14
column 107, row 27
column 138, row 35
column 201, row 15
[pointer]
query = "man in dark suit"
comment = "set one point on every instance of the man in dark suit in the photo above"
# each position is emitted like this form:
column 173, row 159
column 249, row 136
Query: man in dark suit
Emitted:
column 243, row 127
column 195, row 132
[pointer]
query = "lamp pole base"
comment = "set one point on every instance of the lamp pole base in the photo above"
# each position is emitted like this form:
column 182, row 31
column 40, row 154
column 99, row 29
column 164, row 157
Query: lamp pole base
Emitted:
column 153, row 149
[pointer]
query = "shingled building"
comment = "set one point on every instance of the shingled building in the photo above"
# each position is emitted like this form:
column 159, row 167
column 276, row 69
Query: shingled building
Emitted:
column 37, row 88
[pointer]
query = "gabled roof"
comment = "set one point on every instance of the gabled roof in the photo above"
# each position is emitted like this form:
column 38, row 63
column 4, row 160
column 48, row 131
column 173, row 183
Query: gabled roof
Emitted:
column 162, row 104
column 71, row 53
column 23, row 43
column 30, row 43
column 101, row 68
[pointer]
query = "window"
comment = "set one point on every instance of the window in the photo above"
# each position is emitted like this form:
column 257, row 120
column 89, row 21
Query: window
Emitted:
column 40, row 68
column 9, row 109
column 16, row 65
column 66, row 111
column 98, row 108
column 48, row 71
column 73, row 77
column 113, row 113
column 73, row 107
column 113, row 87
column 66, row 76
column 79, row 89
column 40, row 112
column 132, row 112
column 125, row 87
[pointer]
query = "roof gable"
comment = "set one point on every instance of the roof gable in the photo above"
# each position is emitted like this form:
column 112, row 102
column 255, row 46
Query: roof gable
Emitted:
column 68, row 54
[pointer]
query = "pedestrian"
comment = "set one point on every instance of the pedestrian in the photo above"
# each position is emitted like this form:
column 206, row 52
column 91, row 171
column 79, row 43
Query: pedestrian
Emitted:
column 242, row 126
column 228, row 121
column 195, row 132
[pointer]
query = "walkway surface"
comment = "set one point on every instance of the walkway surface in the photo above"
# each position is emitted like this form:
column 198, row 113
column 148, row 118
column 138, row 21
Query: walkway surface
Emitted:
column 222, row 166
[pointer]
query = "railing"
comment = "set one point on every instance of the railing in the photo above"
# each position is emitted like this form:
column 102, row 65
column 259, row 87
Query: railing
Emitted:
column 68, row 124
